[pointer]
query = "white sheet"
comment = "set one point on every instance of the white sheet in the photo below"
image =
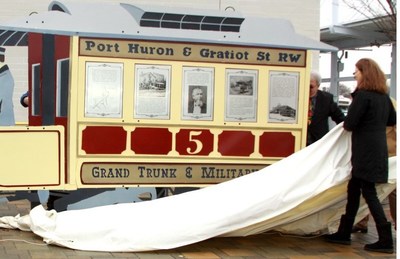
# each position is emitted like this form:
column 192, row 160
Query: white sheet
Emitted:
column 280, row 195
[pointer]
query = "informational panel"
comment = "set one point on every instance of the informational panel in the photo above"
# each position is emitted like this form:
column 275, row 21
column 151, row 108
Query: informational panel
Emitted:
column 152, row 91
column 283, row 97
column 241, row 95
column 103, row 90
column 198, row 89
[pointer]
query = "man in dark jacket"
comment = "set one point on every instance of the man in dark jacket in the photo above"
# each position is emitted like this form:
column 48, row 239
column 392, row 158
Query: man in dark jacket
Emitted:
column 322, row 107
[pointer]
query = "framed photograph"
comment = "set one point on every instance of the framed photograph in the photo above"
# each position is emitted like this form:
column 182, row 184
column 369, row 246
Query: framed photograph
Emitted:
column 152, row 91
column 241, row 95
column 283, row 97
column 103, row 96
column 197, row 95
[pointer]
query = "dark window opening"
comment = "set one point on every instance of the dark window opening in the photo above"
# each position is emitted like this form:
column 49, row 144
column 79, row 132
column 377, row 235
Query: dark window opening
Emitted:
column 213, row 19
column 190, row 26
column 155, row 24
column 210, row 27
column 230, row 28
column 62, row 88
column 172, row 17
column 193, row 18
column 233, row 21
column 173, row 25
column 152, row 16
column 35, row 103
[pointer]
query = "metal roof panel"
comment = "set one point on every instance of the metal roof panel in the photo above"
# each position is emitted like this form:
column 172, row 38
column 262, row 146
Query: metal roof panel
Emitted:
column 359, row 34
column 113, row 20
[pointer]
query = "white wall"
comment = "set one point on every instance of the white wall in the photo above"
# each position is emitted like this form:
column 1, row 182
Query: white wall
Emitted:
column 304, row 16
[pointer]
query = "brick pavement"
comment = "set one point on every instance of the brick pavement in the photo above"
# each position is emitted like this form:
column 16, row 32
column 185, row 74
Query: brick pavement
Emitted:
column 18, row 244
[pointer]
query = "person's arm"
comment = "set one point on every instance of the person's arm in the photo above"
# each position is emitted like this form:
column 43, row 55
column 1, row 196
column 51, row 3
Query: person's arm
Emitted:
column 392, row 116
column 356, row 111
column 24, row 100
column 335, row 112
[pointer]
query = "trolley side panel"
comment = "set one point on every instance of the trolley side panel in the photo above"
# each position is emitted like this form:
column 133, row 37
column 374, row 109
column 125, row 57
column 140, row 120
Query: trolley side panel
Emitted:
column 31, row 157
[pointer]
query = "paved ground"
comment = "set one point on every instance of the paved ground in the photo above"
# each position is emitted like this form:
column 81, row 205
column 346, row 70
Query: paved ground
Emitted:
column 19, row 244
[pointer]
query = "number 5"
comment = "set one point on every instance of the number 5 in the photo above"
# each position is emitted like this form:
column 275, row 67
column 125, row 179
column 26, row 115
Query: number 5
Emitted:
column 199, row 145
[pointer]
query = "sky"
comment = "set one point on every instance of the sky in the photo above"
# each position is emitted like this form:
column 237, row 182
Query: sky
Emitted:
column 345, row 13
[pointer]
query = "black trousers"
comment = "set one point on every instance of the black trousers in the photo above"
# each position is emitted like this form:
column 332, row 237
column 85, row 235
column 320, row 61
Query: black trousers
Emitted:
column 355, row 188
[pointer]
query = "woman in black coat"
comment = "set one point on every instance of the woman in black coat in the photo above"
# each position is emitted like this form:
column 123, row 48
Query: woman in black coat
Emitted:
column 369, row 114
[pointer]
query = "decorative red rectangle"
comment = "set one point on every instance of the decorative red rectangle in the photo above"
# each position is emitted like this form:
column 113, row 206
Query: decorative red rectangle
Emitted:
column 277, row 144
column 236, row 143
column 154, row 141
column 103, row 140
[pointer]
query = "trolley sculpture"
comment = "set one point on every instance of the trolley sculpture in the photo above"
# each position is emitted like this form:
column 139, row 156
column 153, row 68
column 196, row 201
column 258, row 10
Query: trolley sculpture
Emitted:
column 112, row 103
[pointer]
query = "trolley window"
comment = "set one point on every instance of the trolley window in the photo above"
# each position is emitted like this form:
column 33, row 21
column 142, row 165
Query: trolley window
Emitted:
column 35, row 103
column 62, row 87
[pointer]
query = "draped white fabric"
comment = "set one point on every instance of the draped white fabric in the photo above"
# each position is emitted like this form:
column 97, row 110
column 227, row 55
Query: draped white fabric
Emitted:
column 301, row 194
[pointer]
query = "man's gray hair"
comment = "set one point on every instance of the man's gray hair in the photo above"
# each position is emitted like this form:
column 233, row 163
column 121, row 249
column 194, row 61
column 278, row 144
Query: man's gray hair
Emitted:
column 316, row 76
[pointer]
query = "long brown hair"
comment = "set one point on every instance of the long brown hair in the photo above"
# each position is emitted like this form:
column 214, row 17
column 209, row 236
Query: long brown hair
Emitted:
column 373, row 78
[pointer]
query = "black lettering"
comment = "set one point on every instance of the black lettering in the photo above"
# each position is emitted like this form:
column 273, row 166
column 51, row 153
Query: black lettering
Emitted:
column 189, row 172
column 187, row 51
column 232, row 173
column 207, row 172
column 141, row 169
column 207, row 53
column 294, row 58
column 137, row 49
column 283, row 57
column 149, row 173
column 90, row 44
column 156, row 172
column 118, row 172
column 133, row 48
column 242, row 55
column 261, row 56
column 172, row 173
column 220, row 173
column 116, row 46
column 95, row 172
column 164, row 173
column 103, row 172
column 126, row 173
column 110, row 173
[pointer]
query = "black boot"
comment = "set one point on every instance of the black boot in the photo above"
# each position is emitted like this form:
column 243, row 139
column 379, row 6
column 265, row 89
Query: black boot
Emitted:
column 343, row 235
column 385, row 242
